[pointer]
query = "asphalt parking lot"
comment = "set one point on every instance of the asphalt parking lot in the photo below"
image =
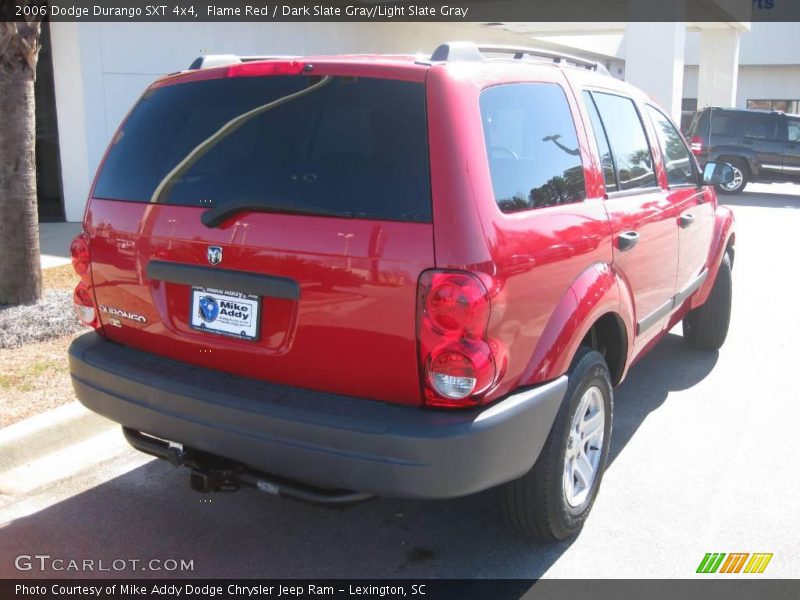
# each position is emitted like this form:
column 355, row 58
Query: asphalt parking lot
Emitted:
column 704, row 459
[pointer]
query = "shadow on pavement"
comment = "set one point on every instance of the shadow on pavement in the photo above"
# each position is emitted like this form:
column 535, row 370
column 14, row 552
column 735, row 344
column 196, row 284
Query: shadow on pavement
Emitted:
column 670, row 366
column 149, row 513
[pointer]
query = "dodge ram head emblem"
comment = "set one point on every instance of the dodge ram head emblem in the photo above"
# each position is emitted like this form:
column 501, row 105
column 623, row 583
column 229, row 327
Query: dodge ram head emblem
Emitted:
column 214, row 255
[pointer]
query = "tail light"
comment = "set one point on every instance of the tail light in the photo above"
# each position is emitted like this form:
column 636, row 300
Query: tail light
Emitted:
column 79, row 250
column 260, row 69
column 84, row 305
column 456, row 358
column 697, row 146
column 82, row 298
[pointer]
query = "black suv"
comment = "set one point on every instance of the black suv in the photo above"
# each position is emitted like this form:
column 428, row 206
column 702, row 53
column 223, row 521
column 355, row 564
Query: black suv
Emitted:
column 760, row 145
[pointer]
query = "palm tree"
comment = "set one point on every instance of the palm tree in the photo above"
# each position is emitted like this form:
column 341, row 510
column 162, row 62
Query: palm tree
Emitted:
column 20, row 269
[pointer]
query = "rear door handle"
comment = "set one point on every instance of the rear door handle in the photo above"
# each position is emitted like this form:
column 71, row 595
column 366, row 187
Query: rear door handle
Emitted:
column 627, row 240
column 686, row 220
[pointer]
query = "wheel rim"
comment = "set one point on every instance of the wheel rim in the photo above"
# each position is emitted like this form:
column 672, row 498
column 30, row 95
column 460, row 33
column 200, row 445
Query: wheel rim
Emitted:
column 736, row 183
column 584, row 447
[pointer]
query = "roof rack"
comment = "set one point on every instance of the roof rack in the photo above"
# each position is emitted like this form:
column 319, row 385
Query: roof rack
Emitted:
column 470, row 51
column 208, row 61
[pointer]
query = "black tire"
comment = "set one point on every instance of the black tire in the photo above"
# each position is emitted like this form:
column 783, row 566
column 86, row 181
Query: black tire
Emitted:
column 706, row 327
column 535, row 505
column 741, row 177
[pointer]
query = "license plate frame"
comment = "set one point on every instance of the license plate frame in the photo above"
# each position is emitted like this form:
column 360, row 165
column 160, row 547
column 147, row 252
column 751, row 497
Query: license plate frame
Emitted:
column 223, row 313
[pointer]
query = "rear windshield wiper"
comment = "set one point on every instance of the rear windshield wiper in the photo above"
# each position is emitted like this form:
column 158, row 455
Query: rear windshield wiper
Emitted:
column 214, row 217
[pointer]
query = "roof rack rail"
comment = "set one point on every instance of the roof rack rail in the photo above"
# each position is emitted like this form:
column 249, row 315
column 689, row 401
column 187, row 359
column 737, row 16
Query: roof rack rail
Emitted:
column 207, row 61
column 470, row 51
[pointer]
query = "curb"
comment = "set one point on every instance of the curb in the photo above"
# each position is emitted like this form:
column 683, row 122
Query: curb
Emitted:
column 48, row 432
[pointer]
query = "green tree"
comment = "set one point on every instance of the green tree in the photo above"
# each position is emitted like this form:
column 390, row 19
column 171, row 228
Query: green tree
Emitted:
column 20, row 269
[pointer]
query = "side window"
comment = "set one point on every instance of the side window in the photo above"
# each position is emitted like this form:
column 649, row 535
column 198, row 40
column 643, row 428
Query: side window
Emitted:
column 532, row 146
column 760, row 126
column 725, row 124
column 628, row 141
column 606, row 160
column 794, row 130
column 677, row 158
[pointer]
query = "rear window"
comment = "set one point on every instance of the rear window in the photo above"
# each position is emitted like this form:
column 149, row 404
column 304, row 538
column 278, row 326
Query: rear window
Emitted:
column 348, row 146
column 534, row 157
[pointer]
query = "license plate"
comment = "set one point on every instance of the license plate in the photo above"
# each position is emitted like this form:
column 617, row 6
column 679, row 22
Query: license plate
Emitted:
column 225, row 312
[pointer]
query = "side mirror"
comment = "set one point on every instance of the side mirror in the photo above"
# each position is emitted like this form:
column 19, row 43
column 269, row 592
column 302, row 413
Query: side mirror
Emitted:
column 717, row 174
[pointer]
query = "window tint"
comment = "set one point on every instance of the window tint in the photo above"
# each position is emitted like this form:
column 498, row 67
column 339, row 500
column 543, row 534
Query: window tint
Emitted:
column 677, row 158
column 699, row 123
column 760, row 126
column 532, row 146
column 628, row 141
column 794, row 130
column 343, row 145
column 724, row 123
column 600, row 137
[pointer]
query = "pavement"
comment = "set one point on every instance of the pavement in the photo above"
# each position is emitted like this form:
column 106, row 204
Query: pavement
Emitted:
column 55, row 239
column 703, row 459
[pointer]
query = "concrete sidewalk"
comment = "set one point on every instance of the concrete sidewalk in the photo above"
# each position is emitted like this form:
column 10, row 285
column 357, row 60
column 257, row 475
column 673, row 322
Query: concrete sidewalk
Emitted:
column 55, row 239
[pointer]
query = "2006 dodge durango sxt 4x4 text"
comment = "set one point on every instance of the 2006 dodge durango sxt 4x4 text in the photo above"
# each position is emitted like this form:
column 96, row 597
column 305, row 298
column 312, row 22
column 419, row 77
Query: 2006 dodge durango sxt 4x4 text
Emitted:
column 333, row 278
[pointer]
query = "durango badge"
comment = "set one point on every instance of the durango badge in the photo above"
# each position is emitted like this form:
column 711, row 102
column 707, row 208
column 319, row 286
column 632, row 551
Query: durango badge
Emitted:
column 214, row 254
column 118, row 312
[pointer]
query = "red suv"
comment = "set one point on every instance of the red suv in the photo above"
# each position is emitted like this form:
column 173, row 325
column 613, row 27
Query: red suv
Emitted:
column 333, row 278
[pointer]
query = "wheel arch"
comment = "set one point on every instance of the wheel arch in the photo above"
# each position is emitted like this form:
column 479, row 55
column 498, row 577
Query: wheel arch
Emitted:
column 608, row 335
column 724, row 240
column 749, row 160
column 596, row 309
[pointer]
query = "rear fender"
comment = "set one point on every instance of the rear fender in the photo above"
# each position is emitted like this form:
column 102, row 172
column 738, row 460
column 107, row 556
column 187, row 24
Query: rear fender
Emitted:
column 723, row 237
column 596, row 291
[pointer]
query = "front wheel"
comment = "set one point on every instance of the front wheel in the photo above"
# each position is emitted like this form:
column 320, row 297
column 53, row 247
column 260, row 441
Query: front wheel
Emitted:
column 706, row 327
column 554, row 498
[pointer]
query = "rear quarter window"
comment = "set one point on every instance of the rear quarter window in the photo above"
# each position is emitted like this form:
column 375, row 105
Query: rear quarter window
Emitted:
column 350, row 146
column 761, row 126
column 725, row 124
column 532, row 146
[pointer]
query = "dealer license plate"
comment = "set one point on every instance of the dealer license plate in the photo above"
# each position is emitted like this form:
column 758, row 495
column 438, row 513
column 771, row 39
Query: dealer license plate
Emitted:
column 225, row 312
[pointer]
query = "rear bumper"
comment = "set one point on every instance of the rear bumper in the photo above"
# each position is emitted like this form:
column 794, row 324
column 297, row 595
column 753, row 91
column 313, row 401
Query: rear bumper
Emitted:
column 313, row 437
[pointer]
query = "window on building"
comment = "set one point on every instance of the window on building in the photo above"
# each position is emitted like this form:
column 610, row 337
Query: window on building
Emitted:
column 678, row 160
column 628, row 141
column 787, row 106
column 532, row 146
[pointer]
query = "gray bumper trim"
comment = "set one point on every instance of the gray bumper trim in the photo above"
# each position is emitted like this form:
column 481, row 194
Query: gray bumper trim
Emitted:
column 313, row 437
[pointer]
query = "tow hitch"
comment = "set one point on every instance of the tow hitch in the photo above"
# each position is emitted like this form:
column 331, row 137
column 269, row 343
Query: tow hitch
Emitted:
column 211, row 473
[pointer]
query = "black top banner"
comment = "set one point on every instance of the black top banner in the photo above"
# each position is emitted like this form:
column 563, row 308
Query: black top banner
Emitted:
column 485, row 11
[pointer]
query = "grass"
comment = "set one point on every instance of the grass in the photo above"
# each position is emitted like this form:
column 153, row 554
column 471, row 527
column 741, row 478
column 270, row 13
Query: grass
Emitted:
column 59, row 278
column 35, row 377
